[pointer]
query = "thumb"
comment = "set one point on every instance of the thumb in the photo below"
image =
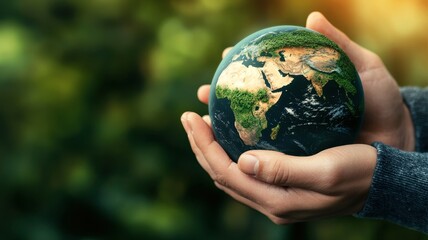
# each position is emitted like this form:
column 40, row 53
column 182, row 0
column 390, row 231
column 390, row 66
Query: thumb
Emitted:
column 279, row 169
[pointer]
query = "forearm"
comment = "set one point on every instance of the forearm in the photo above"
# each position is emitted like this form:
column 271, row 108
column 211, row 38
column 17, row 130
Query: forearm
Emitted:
column 399, row 190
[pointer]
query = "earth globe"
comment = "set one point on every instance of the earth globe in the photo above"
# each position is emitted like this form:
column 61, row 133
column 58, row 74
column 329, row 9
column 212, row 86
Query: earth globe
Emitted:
column 287, row 89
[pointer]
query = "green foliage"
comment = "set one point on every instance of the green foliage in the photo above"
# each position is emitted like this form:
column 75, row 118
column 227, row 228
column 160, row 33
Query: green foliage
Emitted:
column 91, row 145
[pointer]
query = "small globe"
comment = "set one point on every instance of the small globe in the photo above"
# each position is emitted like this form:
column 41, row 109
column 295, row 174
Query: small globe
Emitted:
column 288, row 89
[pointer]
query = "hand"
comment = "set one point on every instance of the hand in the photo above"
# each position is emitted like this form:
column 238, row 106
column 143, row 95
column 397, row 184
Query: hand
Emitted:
column 285, row 188
column 333, row 182
column 386, row 117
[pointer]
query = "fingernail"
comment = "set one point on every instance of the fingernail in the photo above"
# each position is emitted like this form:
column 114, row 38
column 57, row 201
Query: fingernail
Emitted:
column 207, row 119
column 249, row 164
column 184, row 121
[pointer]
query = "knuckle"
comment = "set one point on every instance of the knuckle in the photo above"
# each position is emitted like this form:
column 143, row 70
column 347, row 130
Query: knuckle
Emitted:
column 220, row 179
column 275, row 173
column 224, row 177
column 333, row 174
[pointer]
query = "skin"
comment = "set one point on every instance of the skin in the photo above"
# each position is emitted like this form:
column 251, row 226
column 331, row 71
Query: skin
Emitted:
column 333, row 182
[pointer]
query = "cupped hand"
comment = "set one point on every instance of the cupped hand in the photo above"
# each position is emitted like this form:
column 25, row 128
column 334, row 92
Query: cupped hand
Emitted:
column 286, row 188
column 333, row 182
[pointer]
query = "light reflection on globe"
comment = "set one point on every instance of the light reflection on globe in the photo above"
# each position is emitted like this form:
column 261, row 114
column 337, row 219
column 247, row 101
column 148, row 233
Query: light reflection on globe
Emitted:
column 286, row 89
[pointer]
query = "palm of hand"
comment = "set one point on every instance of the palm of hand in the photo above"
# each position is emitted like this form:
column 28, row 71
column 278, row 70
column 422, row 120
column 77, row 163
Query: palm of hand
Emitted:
column 386, row 117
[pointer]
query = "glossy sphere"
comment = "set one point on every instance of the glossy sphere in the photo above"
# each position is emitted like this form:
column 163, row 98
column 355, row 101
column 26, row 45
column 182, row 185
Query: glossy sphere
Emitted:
column 286, row 89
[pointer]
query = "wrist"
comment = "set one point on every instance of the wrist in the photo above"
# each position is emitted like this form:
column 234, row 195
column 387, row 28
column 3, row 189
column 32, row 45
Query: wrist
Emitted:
column 408, row 131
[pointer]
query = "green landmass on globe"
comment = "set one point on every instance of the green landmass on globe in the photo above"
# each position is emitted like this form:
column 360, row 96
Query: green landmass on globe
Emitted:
column 318, row 88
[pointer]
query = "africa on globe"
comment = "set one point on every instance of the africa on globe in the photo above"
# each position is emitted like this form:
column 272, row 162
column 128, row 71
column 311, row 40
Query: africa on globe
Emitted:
column 287, row 89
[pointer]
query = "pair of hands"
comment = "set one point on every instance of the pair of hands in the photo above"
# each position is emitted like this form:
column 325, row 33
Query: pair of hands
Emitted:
column 333, row 182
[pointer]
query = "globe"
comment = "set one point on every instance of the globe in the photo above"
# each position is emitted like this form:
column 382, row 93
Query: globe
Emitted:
column 287, row 89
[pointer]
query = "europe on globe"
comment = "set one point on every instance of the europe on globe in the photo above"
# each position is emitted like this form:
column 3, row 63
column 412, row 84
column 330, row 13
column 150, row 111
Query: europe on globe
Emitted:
column 288, row 89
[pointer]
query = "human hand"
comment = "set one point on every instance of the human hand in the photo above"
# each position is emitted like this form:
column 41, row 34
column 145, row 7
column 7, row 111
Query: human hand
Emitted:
column 333, row 182
column 386, row 117
column 285, row 188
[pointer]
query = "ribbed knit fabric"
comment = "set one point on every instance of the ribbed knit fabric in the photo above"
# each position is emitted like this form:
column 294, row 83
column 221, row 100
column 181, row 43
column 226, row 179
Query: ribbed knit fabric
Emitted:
column 417, row 101
column 399, row 190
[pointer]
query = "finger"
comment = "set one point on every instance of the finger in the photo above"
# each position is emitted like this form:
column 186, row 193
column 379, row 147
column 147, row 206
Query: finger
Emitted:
column 314, row 206
column 204, row 93
column 216, row 158
column 205, row 141
column 301, row 205
column 252, row 204
column 283, row 170
column 207, row 119
column 198, row 154
column 200, row 157
column 225, row 52
column 279, row 202
column 224, row 170
column 317, row 22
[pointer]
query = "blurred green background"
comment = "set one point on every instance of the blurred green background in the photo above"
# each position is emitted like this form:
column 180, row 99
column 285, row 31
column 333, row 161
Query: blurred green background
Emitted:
column 91, row 93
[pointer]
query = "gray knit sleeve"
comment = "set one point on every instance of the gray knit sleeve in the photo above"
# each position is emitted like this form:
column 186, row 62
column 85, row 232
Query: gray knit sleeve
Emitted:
column 399, row 190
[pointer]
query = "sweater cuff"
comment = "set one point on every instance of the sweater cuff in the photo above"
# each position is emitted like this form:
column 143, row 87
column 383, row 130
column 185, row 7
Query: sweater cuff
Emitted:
column 399, row 189
column 416, row 100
